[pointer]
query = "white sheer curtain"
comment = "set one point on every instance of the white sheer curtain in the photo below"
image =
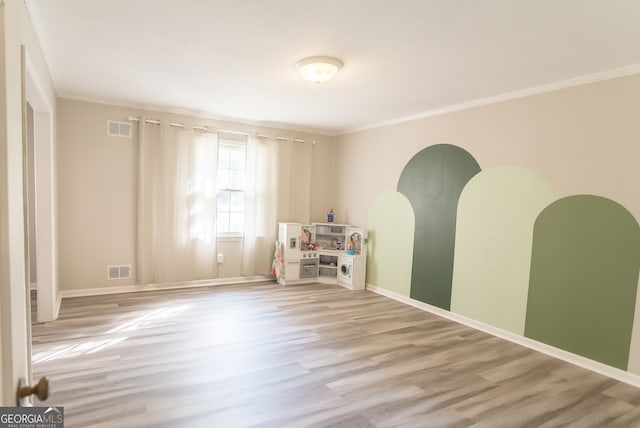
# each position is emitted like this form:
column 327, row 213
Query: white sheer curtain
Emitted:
column 278, row 189
column 176, row 236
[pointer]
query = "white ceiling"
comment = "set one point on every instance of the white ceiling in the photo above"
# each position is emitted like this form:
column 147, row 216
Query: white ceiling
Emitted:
column 403, row 58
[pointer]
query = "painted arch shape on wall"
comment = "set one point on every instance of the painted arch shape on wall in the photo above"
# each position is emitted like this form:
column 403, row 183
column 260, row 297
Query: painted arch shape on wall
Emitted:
column 390, row 248
column 494, row 234
column 432, row 182
column 584, row 278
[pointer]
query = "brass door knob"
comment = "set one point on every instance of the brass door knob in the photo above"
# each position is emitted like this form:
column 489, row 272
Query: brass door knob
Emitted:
column 41, row 390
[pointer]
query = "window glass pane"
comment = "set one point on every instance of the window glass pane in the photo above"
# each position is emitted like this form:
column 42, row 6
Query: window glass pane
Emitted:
column 237, row 159
column 236, row 201
column 223, row 222
column 223, row 157
column 236, row 222
column 223, row 201
column 230, row 179
column 223, row 179
column 236, row 179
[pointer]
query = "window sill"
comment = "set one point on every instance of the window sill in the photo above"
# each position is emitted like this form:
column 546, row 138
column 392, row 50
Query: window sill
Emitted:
column 235, row 238
column 229, row 238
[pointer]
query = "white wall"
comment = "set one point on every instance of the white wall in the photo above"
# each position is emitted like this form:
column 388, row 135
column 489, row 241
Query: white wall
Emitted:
column 97, row 191
column 97, row 194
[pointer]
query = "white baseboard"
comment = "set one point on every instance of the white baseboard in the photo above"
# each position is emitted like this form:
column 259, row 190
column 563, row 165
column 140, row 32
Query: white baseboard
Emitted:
column 586, row 363
column 169, row 286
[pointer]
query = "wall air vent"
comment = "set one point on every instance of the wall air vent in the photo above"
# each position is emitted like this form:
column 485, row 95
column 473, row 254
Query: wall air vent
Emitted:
column 119, row 272
column 118, row 129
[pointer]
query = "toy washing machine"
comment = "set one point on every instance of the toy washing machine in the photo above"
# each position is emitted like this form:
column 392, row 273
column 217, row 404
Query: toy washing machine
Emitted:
column 345, row 269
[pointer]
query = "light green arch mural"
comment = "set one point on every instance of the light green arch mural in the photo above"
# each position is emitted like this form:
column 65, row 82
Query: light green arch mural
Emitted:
column 390, row 250
column 496, row 213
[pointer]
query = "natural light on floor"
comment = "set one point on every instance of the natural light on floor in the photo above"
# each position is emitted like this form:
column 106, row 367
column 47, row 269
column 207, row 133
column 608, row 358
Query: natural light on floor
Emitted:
column 92, row 346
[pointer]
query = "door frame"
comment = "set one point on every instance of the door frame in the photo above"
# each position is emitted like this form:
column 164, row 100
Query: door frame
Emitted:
column 48, row 302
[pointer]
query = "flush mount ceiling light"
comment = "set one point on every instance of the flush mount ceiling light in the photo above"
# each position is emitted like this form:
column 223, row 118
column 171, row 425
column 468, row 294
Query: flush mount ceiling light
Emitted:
column 318, row 68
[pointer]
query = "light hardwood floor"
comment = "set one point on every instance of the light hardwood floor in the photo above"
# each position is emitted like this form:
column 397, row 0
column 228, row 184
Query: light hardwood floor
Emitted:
column 315, row 355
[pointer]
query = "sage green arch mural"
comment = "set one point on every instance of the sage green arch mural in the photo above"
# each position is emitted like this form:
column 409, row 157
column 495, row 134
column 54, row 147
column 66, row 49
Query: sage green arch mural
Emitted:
column 584, row 278
column 390, row 248
column 432, row 181
column 494, row 234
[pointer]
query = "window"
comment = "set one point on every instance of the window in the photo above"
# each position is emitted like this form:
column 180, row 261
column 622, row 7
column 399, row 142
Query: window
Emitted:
column 232, row 161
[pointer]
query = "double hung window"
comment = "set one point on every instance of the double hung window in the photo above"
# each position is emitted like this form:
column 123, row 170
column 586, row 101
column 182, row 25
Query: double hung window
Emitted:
column 231, row 187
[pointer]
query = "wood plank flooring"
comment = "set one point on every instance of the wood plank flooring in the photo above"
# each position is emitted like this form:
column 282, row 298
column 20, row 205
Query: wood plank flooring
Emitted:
column 263, row 355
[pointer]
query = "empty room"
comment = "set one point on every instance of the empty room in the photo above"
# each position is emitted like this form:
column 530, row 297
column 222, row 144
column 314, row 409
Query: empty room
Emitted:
column 355, row 213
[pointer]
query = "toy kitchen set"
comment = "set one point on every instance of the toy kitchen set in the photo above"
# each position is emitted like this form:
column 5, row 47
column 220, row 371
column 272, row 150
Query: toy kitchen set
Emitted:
column 322, row 252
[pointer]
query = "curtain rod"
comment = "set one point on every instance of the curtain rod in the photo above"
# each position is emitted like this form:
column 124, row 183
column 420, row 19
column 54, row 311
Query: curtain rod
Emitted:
column 224, row 131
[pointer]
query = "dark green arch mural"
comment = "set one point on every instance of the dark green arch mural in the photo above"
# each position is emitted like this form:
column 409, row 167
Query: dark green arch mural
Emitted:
column 584, row 277
column 432, row 181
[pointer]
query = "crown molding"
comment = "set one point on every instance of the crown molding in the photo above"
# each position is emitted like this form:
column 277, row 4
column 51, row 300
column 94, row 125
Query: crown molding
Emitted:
column 201, row 115
column 536, row 90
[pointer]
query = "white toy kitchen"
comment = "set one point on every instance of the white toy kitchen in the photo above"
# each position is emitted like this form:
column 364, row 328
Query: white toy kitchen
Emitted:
column 323, row 252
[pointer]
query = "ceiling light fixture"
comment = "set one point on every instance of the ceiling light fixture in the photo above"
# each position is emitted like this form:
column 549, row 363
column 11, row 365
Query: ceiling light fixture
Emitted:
column 318, row 68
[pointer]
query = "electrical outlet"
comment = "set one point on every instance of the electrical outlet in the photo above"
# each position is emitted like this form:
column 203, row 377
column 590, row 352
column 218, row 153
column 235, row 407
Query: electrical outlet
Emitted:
column 220, row 258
